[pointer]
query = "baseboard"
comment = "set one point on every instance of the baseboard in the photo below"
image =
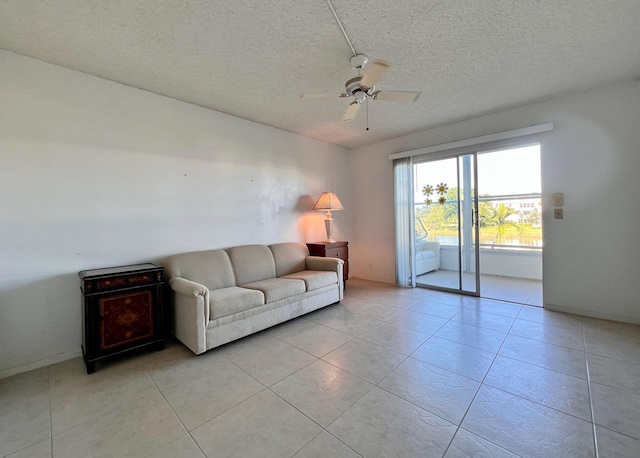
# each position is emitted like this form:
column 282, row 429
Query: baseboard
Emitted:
column 40, row 363
column 592, row 314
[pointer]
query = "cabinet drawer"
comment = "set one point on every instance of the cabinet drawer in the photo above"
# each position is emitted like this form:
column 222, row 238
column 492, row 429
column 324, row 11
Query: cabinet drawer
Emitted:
column 99, row 285
column 338, row 252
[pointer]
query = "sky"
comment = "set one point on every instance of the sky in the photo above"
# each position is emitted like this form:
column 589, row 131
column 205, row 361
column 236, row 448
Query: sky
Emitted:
column 513, row 171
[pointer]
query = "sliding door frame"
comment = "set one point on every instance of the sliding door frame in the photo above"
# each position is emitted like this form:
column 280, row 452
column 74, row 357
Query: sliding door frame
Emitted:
column 405, row 265
column 468, row 227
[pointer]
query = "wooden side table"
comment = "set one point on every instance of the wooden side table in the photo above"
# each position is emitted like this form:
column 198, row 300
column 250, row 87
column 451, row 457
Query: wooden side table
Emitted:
column 332, row 250
column 123, row 310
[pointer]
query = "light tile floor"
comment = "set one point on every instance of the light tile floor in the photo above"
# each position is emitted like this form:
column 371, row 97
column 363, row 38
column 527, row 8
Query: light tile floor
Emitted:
column 519, row 290
column 387, row 372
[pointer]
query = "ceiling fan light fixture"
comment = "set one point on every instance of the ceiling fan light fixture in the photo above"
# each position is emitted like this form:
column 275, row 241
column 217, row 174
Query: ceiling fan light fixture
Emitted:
column 359, row 96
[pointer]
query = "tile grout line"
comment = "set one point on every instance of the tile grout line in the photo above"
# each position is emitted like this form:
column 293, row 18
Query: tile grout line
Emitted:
column 482, row 383
column 536, row 402
column 322, row 428
column 448, row 320
column 545, row 368
column 593, row 418
column 538, row 365
column 478, row 390
column 373, row 385
column 50, row 408
column 175, row 414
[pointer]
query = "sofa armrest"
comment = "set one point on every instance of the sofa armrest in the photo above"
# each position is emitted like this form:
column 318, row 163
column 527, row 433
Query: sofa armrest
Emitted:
column 190, row 313
column 329, row 264
column 320, row 263
column 187, row 287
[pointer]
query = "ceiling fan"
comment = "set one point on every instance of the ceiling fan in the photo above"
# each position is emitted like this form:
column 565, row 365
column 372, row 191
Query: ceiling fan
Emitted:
column 363, row 87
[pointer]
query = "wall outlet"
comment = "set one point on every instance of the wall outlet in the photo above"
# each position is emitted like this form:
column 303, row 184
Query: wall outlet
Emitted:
column 558, row 213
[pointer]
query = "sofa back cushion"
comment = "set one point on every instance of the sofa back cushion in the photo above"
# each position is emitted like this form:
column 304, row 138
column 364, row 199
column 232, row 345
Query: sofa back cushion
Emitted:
column 289, row 257
column 211, row 268
column 252, row 263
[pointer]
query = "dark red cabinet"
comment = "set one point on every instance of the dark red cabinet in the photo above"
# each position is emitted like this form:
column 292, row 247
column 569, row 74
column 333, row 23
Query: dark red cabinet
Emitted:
column 123, row 310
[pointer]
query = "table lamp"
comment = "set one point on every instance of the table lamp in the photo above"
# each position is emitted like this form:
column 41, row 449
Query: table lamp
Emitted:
column 328, row 201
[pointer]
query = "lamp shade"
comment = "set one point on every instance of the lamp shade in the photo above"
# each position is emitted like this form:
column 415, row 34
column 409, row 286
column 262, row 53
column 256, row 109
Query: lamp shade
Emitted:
column 328, row 201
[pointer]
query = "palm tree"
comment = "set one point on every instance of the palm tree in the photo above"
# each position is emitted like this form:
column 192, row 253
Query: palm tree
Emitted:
column 498, row 217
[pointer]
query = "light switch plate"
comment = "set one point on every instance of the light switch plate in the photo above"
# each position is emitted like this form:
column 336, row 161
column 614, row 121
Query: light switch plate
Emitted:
column 558, row 199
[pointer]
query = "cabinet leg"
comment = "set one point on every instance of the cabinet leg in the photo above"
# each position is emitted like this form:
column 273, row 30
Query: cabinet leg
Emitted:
column 160, row 346
column 91, row 367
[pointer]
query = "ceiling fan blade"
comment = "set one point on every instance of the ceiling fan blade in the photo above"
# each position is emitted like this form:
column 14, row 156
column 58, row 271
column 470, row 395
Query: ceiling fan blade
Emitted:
column 322, row 96
column 396, row 96
column 373, row 71
column 351, row 112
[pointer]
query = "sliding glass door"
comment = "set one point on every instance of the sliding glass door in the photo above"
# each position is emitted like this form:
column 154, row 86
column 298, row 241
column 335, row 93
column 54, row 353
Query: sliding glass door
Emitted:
column 470, row 221
column 444, row 251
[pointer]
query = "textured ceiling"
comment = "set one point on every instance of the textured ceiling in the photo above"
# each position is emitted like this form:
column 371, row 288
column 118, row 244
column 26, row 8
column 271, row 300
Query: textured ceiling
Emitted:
column 253, row 59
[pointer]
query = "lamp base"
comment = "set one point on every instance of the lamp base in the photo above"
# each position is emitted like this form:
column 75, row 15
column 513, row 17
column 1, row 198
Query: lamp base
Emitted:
column 328, row 225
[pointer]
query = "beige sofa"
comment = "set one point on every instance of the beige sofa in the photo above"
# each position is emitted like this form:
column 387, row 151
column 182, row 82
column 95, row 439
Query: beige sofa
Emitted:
column 222, row 295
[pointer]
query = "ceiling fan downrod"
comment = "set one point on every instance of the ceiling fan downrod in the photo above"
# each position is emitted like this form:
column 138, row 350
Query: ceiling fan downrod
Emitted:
column 344, row 32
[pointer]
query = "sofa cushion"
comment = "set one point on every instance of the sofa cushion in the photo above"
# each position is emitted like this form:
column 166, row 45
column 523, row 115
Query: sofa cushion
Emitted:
column 252, row 263
column 420, row 255
column 211, row 268
column 315, row 279
column 275, row 289
column 289, row 257
column 226, row 301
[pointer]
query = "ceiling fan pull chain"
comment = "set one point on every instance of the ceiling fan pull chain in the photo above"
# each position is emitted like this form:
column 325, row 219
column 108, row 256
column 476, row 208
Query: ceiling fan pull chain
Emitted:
column 367, row 102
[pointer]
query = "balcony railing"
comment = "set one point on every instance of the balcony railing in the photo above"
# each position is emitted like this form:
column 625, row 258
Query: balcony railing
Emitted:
column 513, row 242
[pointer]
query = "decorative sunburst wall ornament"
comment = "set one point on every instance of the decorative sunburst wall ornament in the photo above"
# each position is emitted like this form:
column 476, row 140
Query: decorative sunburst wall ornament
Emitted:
column 441, row 189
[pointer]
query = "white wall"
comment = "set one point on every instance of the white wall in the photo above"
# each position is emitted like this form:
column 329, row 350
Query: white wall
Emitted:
column 591, row 260
column 96, row 174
